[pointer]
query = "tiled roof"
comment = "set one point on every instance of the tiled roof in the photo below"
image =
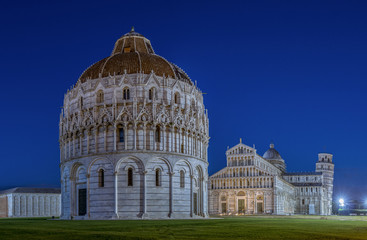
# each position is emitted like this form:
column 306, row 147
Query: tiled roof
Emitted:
column 138, row 58
column 31, row 190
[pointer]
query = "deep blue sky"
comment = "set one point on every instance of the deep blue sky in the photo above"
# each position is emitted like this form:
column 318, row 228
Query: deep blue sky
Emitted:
column 292, row 72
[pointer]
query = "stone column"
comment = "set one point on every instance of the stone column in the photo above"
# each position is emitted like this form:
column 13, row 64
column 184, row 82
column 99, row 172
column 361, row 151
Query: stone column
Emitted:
column 171, row 210
column 96, row 140
column 191, row 196
column 134, row 136
column 115, row 138
column 72, row 197
column 264, row 200
column 246, row 202
column 145, row 212
column 201, row 195
column 69, row 147
column 81, row 142
column 172, row 131
column 88, row 135
column 187, row 147
column 125, row 136
column 105, row 138
column 163, row 138
column 145, row 137
column 179, row 140
column 255, row 210
column 235, row 203
column 116, row 196
column 154, row 133
column 88, row 195
column 74, row 139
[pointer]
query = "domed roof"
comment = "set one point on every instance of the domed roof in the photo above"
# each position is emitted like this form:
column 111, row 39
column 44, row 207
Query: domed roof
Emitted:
column 272, row 154
column 133, row 53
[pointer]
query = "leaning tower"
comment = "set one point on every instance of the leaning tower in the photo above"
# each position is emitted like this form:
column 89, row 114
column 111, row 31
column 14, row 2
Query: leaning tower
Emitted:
column 326, row 166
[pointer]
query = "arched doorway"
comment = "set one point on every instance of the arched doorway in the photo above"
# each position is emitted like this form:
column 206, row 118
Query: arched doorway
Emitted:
column 80, row 191
column 223, row 204
column 260, row 204
column 241, row 203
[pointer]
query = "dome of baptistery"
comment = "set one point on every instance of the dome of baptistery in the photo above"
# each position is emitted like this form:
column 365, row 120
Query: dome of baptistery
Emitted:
column 134, row 134
column 134, row 54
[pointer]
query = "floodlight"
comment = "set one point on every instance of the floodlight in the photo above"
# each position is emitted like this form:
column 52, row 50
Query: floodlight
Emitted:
column 341, row 202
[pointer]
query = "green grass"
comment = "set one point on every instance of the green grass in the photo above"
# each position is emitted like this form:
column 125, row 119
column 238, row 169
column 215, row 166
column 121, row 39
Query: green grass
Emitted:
column 255, row 227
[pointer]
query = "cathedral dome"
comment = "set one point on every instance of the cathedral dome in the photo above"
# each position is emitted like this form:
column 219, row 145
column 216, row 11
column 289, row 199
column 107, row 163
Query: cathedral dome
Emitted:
column 133, row 53
column 272, row 153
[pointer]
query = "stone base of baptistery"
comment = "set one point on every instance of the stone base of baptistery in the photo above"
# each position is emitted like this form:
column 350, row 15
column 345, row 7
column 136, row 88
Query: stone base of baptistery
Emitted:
column 169, row 198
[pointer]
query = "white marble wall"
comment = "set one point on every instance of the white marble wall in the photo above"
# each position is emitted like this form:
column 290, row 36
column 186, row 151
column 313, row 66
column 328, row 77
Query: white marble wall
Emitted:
column 142, row 200
column 89, row 140
column 34, row 204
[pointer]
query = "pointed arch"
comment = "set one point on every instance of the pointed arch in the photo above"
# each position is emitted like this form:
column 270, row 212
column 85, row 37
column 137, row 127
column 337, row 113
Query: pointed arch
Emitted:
column 100, row 96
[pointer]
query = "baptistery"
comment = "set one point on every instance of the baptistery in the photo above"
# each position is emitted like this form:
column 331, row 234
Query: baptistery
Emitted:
column 134, row 136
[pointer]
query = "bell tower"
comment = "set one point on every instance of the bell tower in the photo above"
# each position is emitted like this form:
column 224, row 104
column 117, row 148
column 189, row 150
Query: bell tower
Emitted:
column 325, row 165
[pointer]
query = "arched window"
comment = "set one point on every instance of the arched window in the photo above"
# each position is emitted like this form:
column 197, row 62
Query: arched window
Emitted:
column 101, row 178
column 100, row 96
column 158, row 177
column 177, row 98
column 158, row 134
column 130, row 177
column 182, row 148
column 151, row 93
column 121, row 135
column 126, row 94
column 182, row 179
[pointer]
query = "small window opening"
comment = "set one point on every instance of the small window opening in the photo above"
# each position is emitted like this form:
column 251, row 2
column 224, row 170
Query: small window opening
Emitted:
column 158, row 134
column 127, row 49
column 182, row 179
column 158, row 177
column 121, row 135
column 101, row 178
column 177, row 98
column 151, row 93
column 126, row 94
column 100, row 97
column 130, row 177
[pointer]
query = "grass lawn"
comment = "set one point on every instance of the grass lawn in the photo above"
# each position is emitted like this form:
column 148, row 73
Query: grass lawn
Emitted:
column 267, row 227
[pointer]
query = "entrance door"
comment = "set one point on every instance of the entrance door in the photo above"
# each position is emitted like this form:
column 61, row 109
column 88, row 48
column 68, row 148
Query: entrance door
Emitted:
column 311, row 209
column 224, row 207
column 241, row 205
column 195, row 203
column 259, row 207
column 82, row 201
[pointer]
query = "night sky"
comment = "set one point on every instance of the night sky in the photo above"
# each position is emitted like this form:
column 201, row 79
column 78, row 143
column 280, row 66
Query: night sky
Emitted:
column 291, row 72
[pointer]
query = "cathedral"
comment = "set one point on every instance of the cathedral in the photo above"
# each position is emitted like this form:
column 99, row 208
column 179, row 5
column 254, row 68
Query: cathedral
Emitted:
column 254, row 184
column 134, row 135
